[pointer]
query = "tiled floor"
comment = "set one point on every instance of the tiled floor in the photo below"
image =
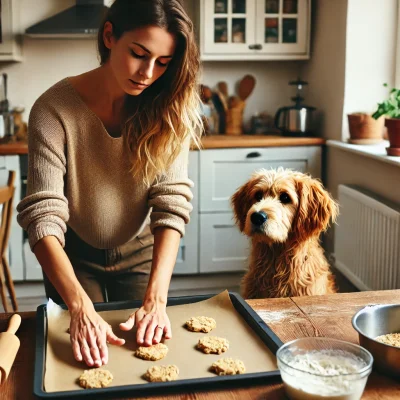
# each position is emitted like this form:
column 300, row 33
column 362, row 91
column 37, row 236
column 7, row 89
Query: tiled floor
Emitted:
column 31, row 295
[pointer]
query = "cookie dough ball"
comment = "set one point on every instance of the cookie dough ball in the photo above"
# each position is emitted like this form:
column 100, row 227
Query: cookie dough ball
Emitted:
column 228, row 366
column 201, row 324
column 162, row 373
column 152, row 353
column 213, row 344
column 95, row 378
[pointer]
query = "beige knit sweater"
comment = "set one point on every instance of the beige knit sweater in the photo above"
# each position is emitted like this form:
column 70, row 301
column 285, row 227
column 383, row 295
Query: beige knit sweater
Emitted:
column 79, row 176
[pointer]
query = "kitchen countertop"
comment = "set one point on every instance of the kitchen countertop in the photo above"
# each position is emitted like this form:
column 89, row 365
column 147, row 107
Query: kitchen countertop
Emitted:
column 289, row 318
column 12, row 149
column 210, row 142
column 231, row 141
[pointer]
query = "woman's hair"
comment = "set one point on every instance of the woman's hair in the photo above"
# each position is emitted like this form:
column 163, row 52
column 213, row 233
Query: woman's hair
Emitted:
column 159, row 119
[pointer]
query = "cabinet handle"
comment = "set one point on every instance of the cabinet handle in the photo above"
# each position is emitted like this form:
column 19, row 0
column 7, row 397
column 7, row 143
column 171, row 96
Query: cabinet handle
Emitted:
column 255, row 46
column 253, row 154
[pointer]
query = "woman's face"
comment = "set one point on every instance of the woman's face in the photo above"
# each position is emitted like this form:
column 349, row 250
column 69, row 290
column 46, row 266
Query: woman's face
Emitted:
column 139, row 57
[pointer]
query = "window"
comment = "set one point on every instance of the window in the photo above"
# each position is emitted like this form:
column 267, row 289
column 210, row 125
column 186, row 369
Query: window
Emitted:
column 397, row 77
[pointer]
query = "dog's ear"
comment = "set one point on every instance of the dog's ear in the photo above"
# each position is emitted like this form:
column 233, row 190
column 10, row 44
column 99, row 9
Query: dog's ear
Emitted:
column 316, row 208
column 241, row 203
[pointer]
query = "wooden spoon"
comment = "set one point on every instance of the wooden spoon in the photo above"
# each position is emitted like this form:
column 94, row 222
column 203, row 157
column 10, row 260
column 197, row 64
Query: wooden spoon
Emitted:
column 223, row 88
column 205, row 94
column 246, row 86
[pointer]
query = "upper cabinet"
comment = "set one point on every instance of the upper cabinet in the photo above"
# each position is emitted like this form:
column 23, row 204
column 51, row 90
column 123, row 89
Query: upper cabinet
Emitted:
column 255, row 29
column 10, row 37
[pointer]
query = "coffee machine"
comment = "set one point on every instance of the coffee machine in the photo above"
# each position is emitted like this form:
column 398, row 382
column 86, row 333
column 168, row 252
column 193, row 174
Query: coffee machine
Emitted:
column 297, row 119
column 6, row 116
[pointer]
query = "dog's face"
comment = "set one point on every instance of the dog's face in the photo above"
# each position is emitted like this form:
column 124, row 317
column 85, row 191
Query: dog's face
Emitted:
column 276, row 204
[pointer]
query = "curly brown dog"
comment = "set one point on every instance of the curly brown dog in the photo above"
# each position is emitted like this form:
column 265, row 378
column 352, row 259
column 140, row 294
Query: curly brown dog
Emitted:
column 284, row 212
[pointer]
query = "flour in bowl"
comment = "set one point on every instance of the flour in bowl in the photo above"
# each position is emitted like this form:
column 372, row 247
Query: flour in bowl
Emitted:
column 332, row 375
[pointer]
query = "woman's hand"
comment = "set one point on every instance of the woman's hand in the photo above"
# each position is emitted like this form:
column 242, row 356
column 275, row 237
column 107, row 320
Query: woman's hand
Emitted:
column 151, row 319
column 90, row 335
column 152, row 323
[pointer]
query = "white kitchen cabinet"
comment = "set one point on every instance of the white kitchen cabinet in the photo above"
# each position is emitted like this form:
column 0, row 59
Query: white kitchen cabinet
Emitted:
column 222, row 247
column 187, row 261
column 223, row 171
column 10, row 36
column 11, row 163
column 255, row 29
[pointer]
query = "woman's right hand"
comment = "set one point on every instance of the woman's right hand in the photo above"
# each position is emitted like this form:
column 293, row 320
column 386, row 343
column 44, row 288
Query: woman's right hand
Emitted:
column 89, row 335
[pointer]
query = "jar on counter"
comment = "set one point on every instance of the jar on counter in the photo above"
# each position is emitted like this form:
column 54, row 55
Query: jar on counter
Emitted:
column 260, row 124
column 210, row 118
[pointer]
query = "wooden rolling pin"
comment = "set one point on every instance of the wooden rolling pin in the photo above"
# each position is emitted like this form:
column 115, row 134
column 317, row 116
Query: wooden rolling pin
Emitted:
column 9, row 345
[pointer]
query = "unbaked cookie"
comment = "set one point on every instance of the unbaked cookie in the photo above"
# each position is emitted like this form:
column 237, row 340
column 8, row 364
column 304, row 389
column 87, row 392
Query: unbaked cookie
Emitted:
column 152, row 353
column 228, row 366
column 162, row 373
column 95, row 378
column 201, row 324
column 213, row 344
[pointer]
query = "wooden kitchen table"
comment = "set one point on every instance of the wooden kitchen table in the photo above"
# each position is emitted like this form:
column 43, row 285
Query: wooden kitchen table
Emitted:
column 289, row 318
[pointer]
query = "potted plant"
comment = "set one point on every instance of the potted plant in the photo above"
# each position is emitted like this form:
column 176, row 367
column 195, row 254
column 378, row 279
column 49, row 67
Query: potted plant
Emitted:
column 364, row 129
column 390, row 108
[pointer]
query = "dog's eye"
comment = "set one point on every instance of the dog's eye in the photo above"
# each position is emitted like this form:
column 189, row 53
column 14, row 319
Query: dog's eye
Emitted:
column 285, row 198
column 259, row 195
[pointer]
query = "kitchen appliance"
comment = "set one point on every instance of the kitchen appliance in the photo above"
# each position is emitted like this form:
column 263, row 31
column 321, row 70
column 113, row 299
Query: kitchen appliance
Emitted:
column 6, row 115
column 296, row 120
column 79, row 21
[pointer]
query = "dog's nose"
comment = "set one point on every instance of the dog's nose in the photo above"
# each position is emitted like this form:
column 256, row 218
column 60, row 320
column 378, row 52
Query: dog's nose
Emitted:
column 258, row 218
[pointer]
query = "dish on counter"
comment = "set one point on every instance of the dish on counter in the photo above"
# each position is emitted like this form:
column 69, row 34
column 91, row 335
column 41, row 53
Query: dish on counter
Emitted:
column 316, row 368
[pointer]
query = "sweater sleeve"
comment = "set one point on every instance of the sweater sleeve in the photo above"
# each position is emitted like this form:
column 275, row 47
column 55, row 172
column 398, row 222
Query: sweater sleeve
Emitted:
column 170, row 197
column 44, row 210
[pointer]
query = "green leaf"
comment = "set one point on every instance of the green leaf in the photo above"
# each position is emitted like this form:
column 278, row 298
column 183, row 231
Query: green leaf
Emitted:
column 391, row 106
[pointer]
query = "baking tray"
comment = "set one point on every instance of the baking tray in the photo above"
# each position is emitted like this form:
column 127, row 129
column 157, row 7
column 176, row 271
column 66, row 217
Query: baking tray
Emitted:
column 262, row 330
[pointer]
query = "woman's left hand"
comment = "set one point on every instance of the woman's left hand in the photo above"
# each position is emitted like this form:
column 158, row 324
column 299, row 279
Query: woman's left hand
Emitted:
column 152, row 323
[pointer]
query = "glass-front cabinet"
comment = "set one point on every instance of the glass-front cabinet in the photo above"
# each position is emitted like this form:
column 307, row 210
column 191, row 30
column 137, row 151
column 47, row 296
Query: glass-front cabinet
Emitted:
column 229, row 26
column 10, row 37
column 255, row 29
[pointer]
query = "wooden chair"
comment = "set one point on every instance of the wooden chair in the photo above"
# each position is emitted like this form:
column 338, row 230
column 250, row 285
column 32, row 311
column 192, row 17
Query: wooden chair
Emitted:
column 6, row 202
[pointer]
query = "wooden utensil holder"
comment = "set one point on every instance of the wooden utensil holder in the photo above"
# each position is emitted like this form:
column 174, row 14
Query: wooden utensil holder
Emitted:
column 234, row 119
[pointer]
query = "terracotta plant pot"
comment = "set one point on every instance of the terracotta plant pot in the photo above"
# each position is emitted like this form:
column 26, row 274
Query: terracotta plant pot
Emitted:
column 364, row 129
column 393, row 129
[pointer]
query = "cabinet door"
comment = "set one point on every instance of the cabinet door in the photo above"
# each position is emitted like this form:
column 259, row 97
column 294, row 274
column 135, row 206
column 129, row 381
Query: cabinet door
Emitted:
column 10, row 46
column 6, row 33
column 222, row 247
column 187, row 260
column 222, row 172
column 227, row 26
column 282, row 26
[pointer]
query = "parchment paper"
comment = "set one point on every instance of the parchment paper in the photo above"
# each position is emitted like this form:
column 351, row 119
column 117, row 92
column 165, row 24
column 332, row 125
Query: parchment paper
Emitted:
column 62, row 370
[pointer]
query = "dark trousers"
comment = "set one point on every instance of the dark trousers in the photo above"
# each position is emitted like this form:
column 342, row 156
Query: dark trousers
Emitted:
column 121, row 273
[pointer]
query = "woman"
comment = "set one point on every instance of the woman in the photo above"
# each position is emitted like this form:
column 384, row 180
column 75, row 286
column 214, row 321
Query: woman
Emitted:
column 108, row 151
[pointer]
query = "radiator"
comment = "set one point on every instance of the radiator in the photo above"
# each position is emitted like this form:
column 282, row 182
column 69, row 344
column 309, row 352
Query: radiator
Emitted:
column 367, row 240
